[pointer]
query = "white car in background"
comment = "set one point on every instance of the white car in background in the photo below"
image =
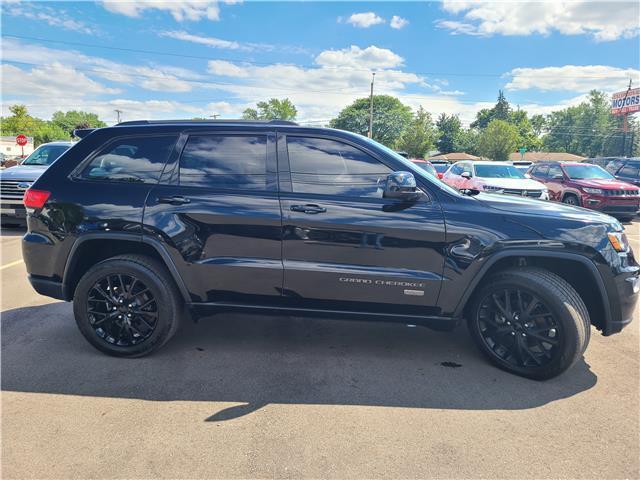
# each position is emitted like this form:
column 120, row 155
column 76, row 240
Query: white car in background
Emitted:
column 494, row 177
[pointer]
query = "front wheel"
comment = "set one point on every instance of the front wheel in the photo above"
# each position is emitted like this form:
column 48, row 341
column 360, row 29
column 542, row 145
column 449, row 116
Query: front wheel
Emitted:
column 530, row 322
column 571, row 200
column 127, row 306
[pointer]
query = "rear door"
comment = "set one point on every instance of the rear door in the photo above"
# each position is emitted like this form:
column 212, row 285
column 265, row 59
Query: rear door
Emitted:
column 555, row 182
column 217, row 210
column 346, row 247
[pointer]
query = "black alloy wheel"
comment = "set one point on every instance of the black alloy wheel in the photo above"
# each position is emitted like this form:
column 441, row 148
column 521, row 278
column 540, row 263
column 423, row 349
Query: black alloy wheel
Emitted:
column 122, row 310
column 519, row 328
column 571, row 200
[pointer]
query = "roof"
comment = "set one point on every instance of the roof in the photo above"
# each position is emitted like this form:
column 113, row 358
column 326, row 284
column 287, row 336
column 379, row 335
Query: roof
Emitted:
column 454, row 157
column 206, row 121
column 546, row 157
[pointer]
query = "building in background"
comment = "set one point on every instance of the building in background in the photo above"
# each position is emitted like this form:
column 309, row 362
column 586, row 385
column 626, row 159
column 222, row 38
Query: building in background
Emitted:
column 10, row 149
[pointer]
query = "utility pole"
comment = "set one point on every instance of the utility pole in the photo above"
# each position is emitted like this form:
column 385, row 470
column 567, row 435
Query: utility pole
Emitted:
column 373, row 77
column 625, row 123
column 118, row 112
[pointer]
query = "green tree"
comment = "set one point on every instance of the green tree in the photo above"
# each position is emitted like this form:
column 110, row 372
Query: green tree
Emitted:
column 273, row 109
column 528, row 137
column 498, row 140
column 420, row 135
column 19, row 122
column 588, row 129
column 69, row 121
column 468, row 141
column 48, row 132
column 390, row 118
column 449, row 133
column 500, row 111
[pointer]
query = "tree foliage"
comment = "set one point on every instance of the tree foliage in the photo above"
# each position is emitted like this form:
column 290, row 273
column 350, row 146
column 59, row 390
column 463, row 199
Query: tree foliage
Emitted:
column 450, row 133
column 498, row 140
column 69, row 121
column 273, row 109
column 419, row 137
column 390, row 118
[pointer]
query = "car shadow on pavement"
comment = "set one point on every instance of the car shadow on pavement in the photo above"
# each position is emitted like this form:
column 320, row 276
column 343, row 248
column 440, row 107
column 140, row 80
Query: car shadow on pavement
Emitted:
column 257, row 360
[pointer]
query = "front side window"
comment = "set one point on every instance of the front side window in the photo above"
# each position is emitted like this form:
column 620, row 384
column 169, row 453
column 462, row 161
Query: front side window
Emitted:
column 456, row 169
column 328, row 167
column 236, row 162
column 131, row 159
column 554, row 172
column 45, row 154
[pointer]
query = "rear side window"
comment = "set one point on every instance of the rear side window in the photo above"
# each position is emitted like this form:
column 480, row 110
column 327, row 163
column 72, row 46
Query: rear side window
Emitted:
column 555, row 171
column 541, row 171
column 131, row 159
column 630, row 170
column 323, row 166
column 236, row 162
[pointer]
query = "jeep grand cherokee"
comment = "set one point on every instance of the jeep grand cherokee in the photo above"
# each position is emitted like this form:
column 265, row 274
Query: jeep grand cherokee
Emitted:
column 140, row 220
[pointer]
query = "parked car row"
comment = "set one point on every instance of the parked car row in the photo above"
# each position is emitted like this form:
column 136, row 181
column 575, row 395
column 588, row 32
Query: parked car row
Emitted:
column 609, row 185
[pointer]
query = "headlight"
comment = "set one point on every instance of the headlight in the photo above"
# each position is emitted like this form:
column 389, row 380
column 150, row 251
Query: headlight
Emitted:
column 592, row 190
column 491, row 188
column 618, row 241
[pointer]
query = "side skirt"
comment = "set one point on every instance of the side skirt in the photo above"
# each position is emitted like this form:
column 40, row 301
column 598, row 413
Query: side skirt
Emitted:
column 199, row 310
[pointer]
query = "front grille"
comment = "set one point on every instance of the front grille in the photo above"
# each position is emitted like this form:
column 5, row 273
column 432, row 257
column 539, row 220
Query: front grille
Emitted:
column 9, row 189
column 622, row 193
column 523, row 193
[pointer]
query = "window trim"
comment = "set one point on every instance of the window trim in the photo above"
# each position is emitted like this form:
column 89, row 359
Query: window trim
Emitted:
column 271, row 165
column 286, row 182
column 76, row 173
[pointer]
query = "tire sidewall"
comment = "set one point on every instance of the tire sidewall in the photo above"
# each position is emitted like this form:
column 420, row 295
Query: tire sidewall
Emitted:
column 569, row 340
column 166, row 311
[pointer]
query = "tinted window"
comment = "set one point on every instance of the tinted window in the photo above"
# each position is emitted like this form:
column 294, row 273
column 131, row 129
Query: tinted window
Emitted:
column 45, row 154
column 225, row 161
column 131, row 159
column 614, row 166
column 333, row 168
column 456, row 169
column 540, row 171
column 441, row 167
column 630, row 170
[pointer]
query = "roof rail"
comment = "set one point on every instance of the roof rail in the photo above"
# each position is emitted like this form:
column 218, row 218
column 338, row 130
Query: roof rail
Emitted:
column 216, row 121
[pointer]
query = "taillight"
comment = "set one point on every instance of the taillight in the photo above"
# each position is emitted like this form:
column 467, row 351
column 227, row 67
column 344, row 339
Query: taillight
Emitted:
column 35, row 198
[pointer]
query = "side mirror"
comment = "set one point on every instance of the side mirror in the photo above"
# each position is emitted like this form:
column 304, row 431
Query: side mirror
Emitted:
column 401, row 185
column 466, row 175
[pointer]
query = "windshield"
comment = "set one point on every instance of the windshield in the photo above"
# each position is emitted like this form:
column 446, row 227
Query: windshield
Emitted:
column 45, row 154
column 581, row 172
column 412, row 168
column 498, row 171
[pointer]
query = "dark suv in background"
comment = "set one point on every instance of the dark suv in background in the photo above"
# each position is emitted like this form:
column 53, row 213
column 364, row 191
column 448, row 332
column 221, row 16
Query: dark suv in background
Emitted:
column 623, row 168
column 146, row 222
column 589, row 186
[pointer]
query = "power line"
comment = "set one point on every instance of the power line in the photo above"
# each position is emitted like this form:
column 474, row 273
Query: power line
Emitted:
column 308, row 66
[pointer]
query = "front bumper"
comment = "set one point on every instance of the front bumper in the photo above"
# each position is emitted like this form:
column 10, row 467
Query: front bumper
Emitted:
column 628, row 293
column 12, row 210
column 612, row 205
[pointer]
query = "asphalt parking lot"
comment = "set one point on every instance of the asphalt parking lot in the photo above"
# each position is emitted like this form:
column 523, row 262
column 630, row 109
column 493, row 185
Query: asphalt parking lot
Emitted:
column 240, row 396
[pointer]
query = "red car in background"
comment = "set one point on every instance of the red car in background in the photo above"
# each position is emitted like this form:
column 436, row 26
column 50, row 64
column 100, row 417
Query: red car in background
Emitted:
column 426, row 165
column 590, row 186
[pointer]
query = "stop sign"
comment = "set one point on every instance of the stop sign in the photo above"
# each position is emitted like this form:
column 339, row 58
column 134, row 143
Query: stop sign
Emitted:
column 21, row 140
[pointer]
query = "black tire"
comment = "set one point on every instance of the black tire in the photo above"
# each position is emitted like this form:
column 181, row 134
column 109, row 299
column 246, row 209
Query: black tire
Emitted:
column 571, row 199
column 541, row 344
column 147, row 330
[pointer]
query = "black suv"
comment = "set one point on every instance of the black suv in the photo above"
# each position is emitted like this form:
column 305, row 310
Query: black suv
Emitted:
column 145, row 223
column 623, row 168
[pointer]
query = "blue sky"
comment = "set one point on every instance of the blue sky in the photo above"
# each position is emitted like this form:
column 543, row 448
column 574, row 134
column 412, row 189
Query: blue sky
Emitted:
column 180, row 59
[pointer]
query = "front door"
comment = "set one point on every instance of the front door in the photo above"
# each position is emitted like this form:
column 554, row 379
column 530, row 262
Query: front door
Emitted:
column 219, row 215
column 344, row 246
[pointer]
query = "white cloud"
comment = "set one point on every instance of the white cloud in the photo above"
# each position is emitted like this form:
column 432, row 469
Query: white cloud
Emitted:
column 604, row 20
column 50, row 81
column 53, row 17
column 398, row 22
column 371, row 57
column 181, row 10
column 365, row 20
column 208, row 41
column 574, row 78
column 226, row 69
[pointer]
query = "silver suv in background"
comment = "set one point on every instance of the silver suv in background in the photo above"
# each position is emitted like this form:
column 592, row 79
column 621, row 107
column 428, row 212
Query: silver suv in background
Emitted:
column 15, row 180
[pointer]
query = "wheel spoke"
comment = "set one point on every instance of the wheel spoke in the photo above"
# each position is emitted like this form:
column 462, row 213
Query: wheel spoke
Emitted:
column 530, row 353
column 534, row 302
column 499, row 305
column 551, row 341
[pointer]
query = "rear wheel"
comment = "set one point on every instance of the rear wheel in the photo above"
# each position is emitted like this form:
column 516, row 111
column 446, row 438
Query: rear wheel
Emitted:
column 127, row 306
column 530, row 322
column 571, row 199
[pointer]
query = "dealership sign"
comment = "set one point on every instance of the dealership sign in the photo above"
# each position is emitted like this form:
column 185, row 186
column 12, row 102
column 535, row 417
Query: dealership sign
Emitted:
column 626, row 102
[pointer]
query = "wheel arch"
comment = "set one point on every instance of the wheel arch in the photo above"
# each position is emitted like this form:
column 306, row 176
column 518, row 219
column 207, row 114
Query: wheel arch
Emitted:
column 572, row 193
column 90, row 249
column 578, row 270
